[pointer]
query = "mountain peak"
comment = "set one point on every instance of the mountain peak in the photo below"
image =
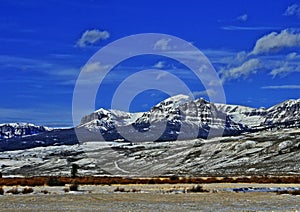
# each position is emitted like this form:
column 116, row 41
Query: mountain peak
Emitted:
column 177, row 99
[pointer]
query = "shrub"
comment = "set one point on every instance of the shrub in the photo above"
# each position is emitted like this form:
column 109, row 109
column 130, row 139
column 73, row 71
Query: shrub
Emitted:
column 119, row 189
column 135, row 190
column 196, row 189
column 74, row 187
column 27, row 190
column 13, row 191
column 44, row 191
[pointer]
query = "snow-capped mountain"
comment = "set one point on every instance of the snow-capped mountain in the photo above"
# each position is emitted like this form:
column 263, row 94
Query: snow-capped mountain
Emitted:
column 285, row 114
column 179, row 117
column 11, row 130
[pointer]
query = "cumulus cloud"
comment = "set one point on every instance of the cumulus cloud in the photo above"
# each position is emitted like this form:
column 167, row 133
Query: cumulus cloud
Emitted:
column 274, row 42
column 282, row 87
column 243, row 64
column 293, row 10
column 90, row 37
column 242, row 17
column 249, row 67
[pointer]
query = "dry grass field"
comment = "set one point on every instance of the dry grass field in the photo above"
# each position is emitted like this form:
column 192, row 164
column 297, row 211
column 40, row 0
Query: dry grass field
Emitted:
column 148, row 197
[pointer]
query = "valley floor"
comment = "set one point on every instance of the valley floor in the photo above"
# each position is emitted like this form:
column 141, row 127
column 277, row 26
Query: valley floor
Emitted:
column 164, row 197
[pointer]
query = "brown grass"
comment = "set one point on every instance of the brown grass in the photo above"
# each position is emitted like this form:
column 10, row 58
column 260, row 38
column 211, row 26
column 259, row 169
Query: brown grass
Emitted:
column 118, row 189
column 108, row 180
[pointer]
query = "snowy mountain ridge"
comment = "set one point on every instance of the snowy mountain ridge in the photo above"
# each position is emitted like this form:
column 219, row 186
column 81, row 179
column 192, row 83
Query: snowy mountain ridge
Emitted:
column 10, row 130
column 285, row 113
column 182, row 116
column 185, row 118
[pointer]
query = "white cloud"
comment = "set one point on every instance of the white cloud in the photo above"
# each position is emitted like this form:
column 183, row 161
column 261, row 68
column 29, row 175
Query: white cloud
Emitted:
column 240, row 58
column 293, row 10
column 285, row 68
column 90, row 37
column 96, row 66
column 282, row 87
column 291, row 56
column 249, row 67
column 248, row 28
column 159, row 64
column 161, row 75
column 162, row 44
column 276, row 41
column 281, row 65
column 242, row 17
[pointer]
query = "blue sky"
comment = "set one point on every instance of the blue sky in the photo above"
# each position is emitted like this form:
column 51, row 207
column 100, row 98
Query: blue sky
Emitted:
column 253, row 45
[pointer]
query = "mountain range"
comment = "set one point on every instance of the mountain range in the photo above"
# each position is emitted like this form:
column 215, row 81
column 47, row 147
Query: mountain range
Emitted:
column 175, row 118
column 182, row 118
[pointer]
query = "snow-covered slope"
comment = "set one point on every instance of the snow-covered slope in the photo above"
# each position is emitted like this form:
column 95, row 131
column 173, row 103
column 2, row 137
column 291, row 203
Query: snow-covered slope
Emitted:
column 260, row 153
column 287, row 112
column 248, row 116
column 11, row 130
